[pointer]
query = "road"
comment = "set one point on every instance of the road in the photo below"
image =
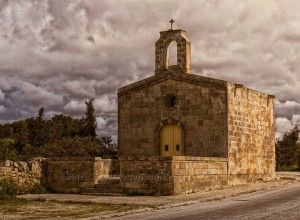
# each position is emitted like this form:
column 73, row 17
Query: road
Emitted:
column 280, row 203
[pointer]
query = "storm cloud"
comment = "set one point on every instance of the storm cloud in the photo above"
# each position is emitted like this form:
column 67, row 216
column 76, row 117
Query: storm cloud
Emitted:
column 56, row 54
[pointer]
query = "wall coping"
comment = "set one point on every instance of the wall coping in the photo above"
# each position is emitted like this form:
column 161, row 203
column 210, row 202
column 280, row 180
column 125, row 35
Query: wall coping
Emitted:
column 172, row 158
column 50, row 159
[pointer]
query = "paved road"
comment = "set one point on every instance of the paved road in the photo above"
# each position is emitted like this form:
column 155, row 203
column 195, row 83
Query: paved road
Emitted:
column 282, row 203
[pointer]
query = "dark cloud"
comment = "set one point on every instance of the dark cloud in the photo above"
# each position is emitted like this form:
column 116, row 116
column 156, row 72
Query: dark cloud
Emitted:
column 56, row 54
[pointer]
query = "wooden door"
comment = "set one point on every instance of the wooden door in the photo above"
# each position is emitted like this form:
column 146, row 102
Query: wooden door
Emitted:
column 171, row 140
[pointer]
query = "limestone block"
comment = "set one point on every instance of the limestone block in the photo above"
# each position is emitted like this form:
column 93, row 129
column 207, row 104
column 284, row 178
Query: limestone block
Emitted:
column 7, row 163
column 132, row 185
column 15, row 164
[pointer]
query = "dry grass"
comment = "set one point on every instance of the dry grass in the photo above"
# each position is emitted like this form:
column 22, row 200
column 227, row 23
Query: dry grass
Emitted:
column 39, row 209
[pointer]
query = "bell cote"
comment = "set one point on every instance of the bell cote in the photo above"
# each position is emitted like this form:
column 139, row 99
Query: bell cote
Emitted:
column 162, row 52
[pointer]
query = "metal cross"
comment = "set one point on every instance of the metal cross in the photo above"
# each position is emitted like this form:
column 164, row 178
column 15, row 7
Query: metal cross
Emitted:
column 171, row 21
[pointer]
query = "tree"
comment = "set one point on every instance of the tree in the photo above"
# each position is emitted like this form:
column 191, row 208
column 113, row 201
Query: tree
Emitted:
column 6, row 131
column 109, row 149
column 38, row 134
column 287, row 149
column 20, row 135
column 63, row 126
column 88, row 121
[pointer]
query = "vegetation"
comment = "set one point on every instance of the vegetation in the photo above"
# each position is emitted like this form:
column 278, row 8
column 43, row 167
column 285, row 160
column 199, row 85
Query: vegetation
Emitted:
column 27, row 209
column 38, row 189
column 61, row 135
column 8, row 189
column 288, row 151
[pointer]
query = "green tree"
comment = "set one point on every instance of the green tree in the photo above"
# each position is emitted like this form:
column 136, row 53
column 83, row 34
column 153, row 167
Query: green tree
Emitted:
column 38, row 134
column 6, row 131
column 287, row 149
column 20, row 135
column 109, row 149
column 60, row 126
column 88, row 121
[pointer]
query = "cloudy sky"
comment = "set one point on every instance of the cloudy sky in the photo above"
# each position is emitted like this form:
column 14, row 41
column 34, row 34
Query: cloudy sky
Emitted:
column 57, row 53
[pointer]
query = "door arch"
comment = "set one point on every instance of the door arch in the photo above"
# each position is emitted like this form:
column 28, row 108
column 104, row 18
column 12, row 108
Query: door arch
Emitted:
column 171, row 140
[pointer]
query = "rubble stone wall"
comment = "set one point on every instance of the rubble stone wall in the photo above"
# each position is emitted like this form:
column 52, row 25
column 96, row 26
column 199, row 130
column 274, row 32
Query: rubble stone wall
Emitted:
column 24, row 174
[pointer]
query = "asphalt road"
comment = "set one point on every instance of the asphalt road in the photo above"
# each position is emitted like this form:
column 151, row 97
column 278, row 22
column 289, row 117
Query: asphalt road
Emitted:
column 280, row 203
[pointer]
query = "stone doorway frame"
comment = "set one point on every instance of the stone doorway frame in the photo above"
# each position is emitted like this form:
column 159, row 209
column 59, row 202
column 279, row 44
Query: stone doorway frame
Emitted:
column 157, row 134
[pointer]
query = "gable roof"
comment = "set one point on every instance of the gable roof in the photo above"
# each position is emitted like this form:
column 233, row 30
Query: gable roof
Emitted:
column 183, row 77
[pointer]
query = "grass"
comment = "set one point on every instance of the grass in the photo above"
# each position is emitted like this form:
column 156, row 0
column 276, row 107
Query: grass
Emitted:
column 288, row 168
column 40, row 208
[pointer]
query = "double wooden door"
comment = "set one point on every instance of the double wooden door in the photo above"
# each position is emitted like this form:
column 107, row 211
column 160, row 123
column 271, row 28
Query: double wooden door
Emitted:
column 171, row 140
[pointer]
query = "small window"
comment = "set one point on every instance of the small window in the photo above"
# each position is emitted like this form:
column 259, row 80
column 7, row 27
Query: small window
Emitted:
column 166, row 147
column 177, row 147
column 170, row 101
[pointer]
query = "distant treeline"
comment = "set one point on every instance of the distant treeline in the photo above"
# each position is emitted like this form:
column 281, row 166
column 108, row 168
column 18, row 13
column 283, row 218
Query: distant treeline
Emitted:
column 288, row 151
column 61, row 135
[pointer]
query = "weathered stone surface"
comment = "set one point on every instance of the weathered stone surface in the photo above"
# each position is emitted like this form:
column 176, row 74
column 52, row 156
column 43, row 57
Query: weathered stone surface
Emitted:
column 72, row 174
column 204, row 123
column 251, row 138
column 172, row 176
column 19, row 172
column 219, row 119
column 183, row 51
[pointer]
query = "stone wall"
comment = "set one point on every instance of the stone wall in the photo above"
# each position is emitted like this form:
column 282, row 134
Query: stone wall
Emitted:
column 192, row 174
column 72, row 174
column 251, row 134
column 201, row 110
column 171, row 175
column 25, row 174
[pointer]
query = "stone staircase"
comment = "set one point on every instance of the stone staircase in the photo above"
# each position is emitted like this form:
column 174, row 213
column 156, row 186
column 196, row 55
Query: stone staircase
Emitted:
column 107, row 185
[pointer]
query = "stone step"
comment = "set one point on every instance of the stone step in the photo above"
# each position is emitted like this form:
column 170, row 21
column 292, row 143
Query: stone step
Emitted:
column 106, row 190
column 107, row 185
column 103, row 194
column 109, row 180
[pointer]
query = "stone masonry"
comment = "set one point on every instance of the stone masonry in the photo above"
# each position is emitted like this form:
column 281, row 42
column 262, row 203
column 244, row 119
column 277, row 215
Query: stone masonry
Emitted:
column 24, row 174
column 222, row 125
column 74, row 174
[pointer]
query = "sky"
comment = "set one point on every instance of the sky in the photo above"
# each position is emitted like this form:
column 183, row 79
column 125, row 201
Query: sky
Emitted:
column 58, row 53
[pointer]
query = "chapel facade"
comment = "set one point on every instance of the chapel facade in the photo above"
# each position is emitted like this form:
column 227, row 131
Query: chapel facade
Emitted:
column 179, row 132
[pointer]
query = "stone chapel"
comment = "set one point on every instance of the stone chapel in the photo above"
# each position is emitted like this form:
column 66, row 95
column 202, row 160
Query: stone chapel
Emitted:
column 179, row 132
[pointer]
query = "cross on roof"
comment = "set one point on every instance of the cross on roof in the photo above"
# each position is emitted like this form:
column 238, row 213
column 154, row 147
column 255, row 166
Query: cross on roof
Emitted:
column 171, row 21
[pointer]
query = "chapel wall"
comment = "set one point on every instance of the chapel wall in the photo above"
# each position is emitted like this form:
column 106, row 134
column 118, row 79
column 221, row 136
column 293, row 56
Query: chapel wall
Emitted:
column 251, row 141
column 201, row 111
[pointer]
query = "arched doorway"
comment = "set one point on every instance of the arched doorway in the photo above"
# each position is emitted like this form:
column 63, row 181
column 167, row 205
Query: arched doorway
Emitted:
column 171, row 140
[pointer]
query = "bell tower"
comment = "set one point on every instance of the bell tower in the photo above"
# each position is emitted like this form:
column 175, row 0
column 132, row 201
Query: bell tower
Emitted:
column 162, row 51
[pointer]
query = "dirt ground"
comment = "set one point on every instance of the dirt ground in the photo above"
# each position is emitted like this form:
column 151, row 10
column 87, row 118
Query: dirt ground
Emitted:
column 151, row 202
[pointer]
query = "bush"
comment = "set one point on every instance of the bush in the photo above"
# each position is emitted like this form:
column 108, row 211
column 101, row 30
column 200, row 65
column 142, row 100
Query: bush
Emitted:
column 287, row 168
column 8, row 189
column 38, row 189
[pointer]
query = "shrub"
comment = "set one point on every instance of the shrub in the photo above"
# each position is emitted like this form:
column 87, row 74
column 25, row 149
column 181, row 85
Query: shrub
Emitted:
column 8, row 189
column 38, row 189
